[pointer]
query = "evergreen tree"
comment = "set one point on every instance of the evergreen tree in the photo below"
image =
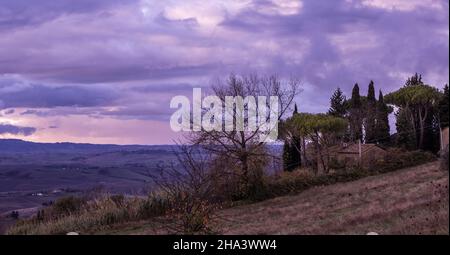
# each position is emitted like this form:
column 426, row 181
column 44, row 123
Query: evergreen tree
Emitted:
column 432, row 132
column 371, row 92
column 405, row 136
column 292, row 149
column 371, row 115
column 287, row 156
column 292, row 154
column 295, row 109
column 420, row 102
column 382, row 121
column 338, row 107
column 416, row 79
column 355, row 115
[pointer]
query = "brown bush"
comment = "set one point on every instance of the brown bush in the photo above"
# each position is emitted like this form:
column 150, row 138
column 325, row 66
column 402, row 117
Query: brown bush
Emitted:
column 67, row 205
column 100, row 213
column 188, row 186
column 398, row 158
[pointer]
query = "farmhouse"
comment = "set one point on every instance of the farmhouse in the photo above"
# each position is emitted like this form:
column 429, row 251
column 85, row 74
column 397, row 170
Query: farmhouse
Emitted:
column 347, row 154
column 357, row 154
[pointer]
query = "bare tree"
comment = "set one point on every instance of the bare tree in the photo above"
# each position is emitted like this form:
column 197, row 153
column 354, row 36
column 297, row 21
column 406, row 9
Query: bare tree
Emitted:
column 188, row 185
column 242, row 145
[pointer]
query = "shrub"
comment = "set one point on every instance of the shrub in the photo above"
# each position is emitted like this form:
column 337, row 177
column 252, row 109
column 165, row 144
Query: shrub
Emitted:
column 67, row 205
column 192, row 216
column 188, row 188
column 15, row 215
column 288, row 182
column 154, row 205
column 99, row 213
column 40, row 216
column 398, row 158
column 337, row 164
column 118, row 199
column 297, row 181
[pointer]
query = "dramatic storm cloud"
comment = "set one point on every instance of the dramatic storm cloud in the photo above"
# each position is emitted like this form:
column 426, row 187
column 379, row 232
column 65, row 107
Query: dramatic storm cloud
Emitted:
column 15, row 130
column 105, row 71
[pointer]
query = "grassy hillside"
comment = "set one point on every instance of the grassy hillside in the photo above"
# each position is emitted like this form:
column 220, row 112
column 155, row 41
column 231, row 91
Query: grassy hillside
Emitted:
column 408, row 201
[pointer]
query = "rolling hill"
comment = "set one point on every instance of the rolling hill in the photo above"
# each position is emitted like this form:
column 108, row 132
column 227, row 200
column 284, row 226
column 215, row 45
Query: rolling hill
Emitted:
column 408, row 201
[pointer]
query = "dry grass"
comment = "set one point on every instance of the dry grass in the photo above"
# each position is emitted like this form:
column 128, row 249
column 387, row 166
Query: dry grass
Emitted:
column 408, row 201
column 94, row 216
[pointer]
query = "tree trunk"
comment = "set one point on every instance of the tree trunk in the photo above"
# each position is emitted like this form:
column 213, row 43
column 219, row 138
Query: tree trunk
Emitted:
column 422, row 118
column 244, row 162
column 413, row 126
column 319, row 154
column 305, row 159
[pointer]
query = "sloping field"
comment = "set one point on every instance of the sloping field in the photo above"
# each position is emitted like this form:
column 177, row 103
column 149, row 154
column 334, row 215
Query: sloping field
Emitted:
column 408, row 201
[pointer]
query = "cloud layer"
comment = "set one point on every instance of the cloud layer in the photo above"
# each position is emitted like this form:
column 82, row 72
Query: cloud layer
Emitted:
column 122, row 60
column 16, row 130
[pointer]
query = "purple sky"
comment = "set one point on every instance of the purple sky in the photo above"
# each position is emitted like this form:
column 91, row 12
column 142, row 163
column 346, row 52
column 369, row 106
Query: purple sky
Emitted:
column 104, row 71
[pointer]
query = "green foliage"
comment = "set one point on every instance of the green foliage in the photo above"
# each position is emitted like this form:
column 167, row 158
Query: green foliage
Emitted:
column 416, row 79
column 298, row 181
column 338, row 104
column 363, row 111
column 398, row 159
column 322, row 129
column 356, row 115
column 309, row 124
column 418, row 102
column 289, row 182
column 291, row 154
column 405, row 137
column 382, row 130
column 370, row 115
column 371, row 93
column 292, row 146
column 419, row 96
column 355, row 101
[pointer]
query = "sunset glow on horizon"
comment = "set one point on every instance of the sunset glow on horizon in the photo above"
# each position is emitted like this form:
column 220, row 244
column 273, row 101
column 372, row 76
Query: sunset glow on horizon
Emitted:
column 105, row 71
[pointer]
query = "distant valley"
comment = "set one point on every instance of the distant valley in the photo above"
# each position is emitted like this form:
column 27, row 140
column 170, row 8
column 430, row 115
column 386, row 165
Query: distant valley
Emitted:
column 32, row 174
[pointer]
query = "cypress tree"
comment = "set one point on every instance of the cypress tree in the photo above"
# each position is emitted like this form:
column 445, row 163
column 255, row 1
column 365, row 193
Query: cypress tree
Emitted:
column 370, row 116
column 292, row 150
column 291, row 154
column 382, row 121
column 355, row 115
column 432, row 133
